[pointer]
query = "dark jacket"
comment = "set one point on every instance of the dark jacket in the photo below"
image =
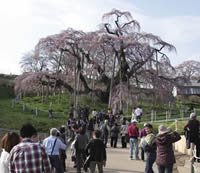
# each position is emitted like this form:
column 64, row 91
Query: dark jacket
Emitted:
column 165, row 155
column 91, row 125
column 114, row 131
column 81, row 142
column 193, row 127
column 104, row 129
column 96, row 150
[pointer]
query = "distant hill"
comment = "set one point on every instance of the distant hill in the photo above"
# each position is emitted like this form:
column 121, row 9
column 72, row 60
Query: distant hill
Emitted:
column 7, row 85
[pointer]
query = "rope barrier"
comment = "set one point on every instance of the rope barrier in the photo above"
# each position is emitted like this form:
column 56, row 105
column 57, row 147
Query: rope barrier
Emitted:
column 169, row 120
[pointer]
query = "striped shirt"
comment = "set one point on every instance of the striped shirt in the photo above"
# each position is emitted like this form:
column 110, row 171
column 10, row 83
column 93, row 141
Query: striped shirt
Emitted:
column 29, row 157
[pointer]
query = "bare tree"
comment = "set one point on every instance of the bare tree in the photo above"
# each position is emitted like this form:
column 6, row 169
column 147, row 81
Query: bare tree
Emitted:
column 189, row 70
column 30, row 64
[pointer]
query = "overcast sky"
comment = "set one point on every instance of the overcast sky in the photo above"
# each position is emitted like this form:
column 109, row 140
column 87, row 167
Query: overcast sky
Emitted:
column 24, row 22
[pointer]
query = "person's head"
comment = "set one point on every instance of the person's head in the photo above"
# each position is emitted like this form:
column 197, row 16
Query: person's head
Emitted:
column 162, row 129
column 193, row 115
column 148, row 128
column 28, row 131
column 53, row 132
column 83, row 130
column 9, row 140
column 62, row 129
column 134, row 122
column 97, row 134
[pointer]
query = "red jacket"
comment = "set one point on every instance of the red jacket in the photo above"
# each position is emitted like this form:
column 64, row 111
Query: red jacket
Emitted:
column 133, row 131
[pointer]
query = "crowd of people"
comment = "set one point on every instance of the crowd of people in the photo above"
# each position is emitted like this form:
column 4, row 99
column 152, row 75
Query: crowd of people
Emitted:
column 88, row 140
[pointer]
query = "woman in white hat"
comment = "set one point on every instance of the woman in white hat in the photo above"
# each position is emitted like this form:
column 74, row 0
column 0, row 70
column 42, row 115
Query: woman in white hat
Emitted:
column 165, row 155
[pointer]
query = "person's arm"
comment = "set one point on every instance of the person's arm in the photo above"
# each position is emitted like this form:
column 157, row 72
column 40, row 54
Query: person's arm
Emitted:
column 61, row 144
column 141, row 133
column 128, row 129
column 175, row 137
column 105, row 156
column 185, row 126
column 117, row 130
column 87, row 149
column 137, row 131
column 11, row 165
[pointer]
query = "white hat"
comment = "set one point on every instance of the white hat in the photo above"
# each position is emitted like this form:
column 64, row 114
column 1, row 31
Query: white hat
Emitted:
column 192, row 115
column 134, row 121
column 145, row 124
column 162, row 129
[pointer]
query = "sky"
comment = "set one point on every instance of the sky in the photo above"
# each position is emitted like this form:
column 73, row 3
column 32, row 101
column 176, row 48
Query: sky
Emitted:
column 24, row 22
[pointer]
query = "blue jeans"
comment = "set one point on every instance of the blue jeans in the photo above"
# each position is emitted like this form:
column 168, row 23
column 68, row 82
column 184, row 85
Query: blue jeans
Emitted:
column 165, row 169
column 150, row 159
column 133, row 142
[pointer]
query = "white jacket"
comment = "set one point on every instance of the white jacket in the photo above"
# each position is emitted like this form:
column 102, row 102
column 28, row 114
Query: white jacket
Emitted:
column 4, row 162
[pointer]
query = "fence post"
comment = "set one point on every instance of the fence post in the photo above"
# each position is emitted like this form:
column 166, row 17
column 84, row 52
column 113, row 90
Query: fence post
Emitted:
column 36, row 111
column 166, row 115
column 185, row 109
column 152, row 115
column 24, row 107
column 192, row 158
column 155, row 115
column 169, row 113
column 13, row 103
column 169, row 110
column 182, row 114
column 176, row 125
column 32, row 112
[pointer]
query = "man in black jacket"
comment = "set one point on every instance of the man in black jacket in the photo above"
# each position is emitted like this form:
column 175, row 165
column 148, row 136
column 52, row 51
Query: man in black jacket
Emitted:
column 96, row 152
column 193, row 127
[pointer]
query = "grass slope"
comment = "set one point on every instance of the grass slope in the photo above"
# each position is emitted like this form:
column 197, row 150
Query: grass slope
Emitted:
column 13, row 118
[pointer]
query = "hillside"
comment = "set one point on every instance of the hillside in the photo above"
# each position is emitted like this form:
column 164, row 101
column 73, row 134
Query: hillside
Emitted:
column 13, row 117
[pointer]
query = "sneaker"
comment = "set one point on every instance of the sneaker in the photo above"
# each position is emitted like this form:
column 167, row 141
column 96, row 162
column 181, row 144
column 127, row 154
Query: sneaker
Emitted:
column 130, row 158
column 137, row 159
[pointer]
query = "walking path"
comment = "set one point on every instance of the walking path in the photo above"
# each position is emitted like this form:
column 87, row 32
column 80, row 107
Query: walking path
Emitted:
column 117, row 162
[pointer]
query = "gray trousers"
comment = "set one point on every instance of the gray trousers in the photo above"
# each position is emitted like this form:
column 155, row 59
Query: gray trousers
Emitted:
column 93, row 166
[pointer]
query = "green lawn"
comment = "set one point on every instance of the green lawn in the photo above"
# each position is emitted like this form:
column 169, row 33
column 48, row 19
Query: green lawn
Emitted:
column 13, row 118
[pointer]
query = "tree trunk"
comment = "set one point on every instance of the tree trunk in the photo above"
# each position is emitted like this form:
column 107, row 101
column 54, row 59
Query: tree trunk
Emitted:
column 120, row 78
column 128, row 95
column 60, row 94
column 111, row 83
column 47, row 95
column 75, row 81
column 42, row 94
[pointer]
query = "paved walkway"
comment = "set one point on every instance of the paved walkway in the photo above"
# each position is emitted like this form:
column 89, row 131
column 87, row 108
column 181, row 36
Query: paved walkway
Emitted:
column 117, row 162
